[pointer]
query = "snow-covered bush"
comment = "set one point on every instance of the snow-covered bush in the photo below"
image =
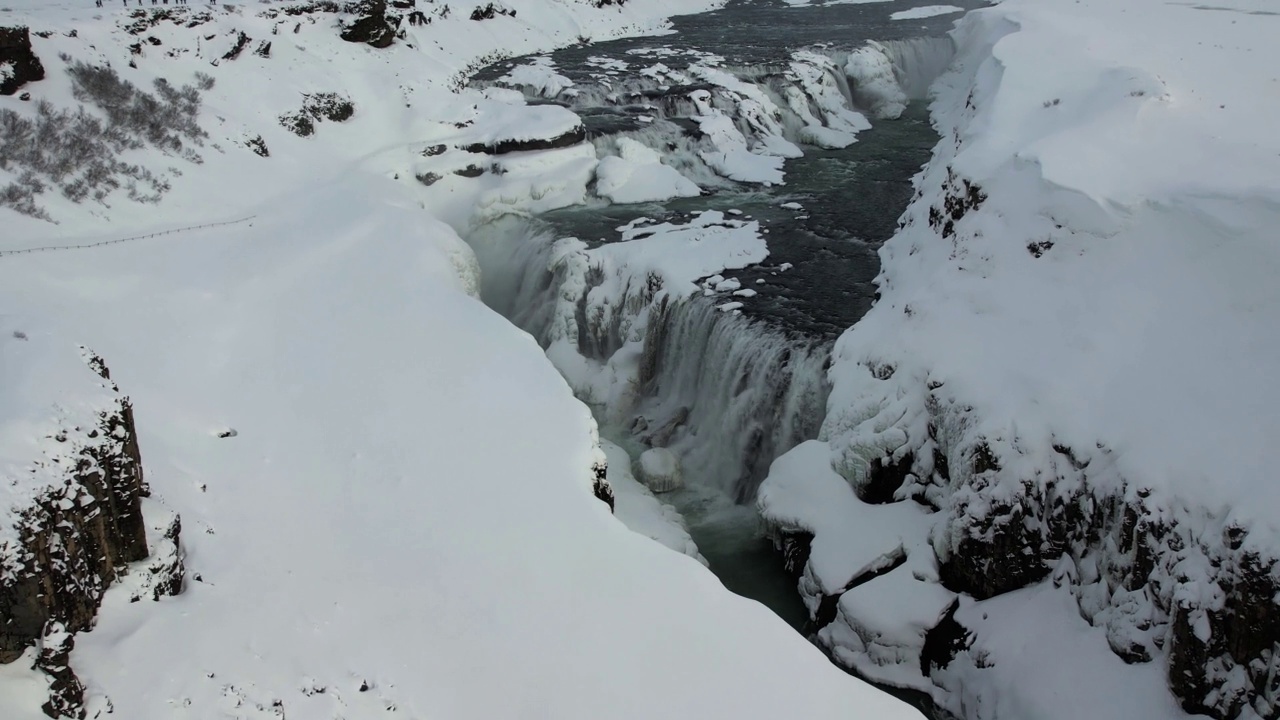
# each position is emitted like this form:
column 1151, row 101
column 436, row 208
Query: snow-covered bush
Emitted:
column 79, row 152
column 317, row 107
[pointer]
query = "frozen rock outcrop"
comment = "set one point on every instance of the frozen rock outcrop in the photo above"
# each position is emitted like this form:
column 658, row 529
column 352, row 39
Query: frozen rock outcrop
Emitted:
column 71, row 493
column 19, row 64
column 660, row 470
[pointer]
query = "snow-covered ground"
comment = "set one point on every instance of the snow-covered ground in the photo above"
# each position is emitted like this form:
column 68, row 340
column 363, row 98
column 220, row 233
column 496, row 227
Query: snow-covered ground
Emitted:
column 402, row 524
column 1074, row 353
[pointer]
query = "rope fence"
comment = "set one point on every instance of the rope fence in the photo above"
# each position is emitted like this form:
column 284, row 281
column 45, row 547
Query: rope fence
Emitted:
column 124, row 240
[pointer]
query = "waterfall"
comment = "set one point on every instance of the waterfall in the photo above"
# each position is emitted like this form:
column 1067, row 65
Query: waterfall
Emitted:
column 917, row 62
column 726, row 393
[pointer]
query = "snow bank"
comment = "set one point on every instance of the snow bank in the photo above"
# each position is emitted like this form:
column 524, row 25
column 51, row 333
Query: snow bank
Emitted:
column 48, row 389
column 643, row 513
column 637, row 175
column 359, row 548
column 1021, row 633
column 538, row 76
column 343, row 347
column 925, row 11
column 1072, row 354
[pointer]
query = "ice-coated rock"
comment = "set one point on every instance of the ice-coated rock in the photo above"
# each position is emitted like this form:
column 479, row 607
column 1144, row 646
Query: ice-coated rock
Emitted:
column 660, row 470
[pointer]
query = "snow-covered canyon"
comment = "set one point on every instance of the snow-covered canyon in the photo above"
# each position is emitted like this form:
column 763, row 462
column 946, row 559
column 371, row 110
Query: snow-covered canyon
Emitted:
column 993, row 435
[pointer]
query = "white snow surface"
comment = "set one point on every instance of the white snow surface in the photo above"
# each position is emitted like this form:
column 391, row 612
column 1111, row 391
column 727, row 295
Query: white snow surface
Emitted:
column 641, row 511
column 1148, row 164
column 539, row 75
column 925, row 11
column 407, row 502
column 1110, row 294
column 637, row 174
column 23, row 689
column 49, row 392
column 1023, row 632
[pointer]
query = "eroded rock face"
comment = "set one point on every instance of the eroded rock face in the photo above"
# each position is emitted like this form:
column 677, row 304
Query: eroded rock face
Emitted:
column 569, row 139
column 18, row 62
column 78, row 534
column 1164, row 583
column 372, row 27
column 600, row 486
column 77, row 537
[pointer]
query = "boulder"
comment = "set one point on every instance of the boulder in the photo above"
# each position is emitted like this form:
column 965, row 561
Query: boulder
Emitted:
column 371, row 27
column 18, row 62
column 660, row 470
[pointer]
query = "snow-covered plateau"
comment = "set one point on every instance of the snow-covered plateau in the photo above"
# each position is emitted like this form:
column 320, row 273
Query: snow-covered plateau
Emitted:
column 1071, row 368
column 1030, row 481
column 387, row 495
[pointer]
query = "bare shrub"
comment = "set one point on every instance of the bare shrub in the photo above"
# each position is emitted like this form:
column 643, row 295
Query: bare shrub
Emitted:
column 78, row 151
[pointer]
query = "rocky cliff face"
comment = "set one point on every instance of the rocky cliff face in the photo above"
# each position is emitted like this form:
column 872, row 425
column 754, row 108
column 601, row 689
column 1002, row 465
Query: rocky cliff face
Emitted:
column 1021, row 485
column 18, row 62
column 74, row 533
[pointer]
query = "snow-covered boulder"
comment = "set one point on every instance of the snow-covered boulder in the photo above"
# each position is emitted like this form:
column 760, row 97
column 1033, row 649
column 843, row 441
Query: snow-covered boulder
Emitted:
column 660, row 470
column 637, row 174
column 1088, row 433
column 18, row 62
column 71, row 492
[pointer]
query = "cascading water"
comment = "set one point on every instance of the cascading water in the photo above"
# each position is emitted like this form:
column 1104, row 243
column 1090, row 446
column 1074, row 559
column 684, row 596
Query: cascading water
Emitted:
column 727, row 394
column 675, row 362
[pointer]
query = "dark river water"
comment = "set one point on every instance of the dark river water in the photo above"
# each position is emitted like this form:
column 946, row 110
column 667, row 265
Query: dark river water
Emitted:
column 818, row 279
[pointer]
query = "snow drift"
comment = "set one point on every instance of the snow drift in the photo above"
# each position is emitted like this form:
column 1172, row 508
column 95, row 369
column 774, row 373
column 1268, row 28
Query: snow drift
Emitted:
column 1071, row 367
column 403, row 517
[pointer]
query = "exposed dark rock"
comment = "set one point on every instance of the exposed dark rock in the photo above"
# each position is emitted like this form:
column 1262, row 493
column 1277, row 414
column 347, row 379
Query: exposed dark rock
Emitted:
column 944, row 641
column 264, row 49
column 428, row 179
column 885, row 476
column 960, row 197
column 258, row 145
column 1039, row 247
column 470, row 171
column 573, row 137
column 328, row 106
column 76, row 539
column 17, row 55
column 1237, row 662
column 491, row 11
column 600, row 486
column 66, row 693
column 795, row 547
column 242, row 41
column 317, row 107
column 995, row 556
column 298, row 9
column 371, row 27
column 143, row 20
column 298, row 123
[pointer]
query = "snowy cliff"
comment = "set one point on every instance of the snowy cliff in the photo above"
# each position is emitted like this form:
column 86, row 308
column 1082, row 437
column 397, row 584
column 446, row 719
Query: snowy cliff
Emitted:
column 1068, row 380
column 386, row 490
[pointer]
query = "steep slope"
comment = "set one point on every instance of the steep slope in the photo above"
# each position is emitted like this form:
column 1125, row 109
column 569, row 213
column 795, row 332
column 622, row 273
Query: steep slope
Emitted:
column 1072, row 365
column 387, row 491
